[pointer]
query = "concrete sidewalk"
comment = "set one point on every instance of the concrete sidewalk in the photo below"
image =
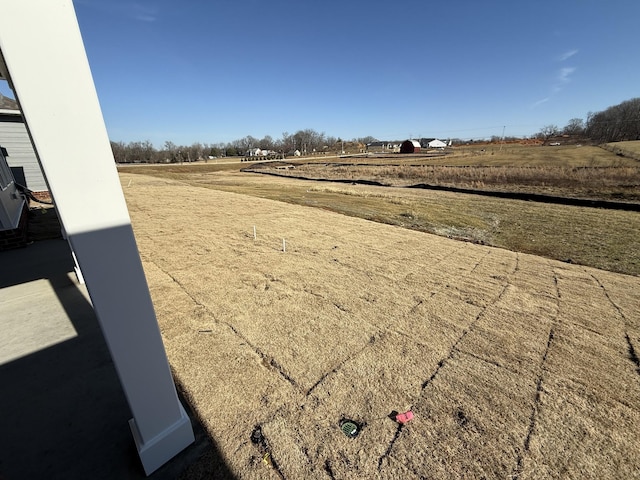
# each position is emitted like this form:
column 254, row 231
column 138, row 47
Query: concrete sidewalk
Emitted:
column 62, row 411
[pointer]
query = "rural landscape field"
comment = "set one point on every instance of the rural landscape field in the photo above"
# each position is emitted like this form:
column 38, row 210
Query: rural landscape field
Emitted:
column 288, row 306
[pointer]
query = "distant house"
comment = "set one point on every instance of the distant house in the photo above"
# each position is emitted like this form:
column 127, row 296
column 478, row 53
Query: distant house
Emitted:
column 435, row 143
column 424, row 142
column 382, row 147
column 21, row 157
column 373, row 147
column 410, row 146
column 379, row 147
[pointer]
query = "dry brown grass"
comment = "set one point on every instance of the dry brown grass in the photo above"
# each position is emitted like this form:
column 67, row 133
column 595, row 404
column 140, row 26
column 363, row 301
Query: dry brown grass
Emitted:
column 596, row 237
column 602, row 183
column 516, row 366
column 625, row 149
column 587, row 172
column 536, row 155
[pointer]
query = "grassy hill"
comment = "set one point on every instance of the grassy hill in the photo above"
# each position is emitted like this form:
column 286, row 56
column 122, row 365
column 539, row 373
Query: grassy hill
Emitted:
column 515, row 366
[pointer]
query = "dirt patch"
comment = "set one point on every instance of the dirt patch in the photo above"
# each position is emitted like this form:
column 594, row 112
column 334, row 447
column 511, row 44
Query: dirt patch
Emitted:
column 515, row 366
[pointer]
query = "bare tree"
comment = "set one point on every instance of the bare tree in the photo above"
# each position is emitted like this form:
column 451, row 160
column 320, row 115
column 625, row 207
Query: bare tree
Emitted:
column 194, row 152
column 267, row 143
column 119, row 150
column 549, row 131
column 286, row 143
column 365, row 140
column 575, row 126
column 247, row 143
column 308, row 140
column 617, row 123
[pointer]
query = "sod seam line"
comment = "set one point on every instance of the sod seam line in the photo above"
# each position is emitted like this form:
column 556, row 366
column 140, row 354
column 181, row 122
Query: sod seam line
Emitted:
column 630, row 348
column 270, row 361
column 541, row 370
column 454, row 349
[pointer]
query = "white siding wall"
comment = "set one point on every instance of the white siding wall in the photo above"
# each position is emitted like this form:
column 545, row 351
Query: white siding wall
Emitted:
column 14, row 137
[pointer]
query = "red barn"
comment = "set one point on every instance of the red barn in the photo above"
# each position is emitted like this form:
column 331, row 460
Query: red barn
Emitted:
column 410, row 146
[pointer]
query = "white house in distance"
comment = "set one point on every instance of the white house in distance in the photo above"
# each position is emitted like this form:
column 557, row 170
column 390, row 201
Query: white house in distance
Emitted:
column 435, row 143
column 257, row 152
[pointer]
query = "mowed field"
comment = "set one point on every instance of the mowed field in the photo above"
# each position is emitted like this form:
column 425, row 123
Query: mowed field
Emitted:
column 515, row 366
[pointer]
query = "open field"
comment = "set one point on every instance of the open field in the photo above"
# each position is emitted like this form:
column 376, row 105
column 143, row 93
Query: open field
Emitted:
column 593, row 183
column 625, row 149
column 515, row 366
column 538, row 155
column 605, row 239
column 571, row 172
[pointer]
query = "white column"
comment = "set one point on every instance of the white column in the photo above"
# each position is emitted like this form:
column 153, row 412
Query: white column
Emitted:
column 43, row 51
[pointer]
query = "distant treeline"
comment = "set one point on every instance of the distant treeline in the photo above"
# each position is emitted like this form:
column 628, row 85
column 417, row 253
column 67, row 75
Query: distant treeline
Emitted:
column 615, row 124
column 307, row 142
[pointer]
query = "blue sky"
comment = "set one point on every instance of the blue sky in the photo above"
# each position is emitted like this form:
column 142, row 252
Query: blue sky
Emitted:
column 215, row 71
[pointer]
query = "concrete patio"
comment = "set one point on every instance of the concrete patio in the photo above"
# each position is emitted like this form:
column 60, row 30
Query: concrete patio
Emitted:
column 63, row 411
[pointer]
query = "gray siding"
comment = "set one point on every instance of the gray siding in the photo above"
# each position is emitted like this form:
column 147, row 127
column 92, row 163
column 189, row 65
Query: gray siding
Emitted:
column 14, row 137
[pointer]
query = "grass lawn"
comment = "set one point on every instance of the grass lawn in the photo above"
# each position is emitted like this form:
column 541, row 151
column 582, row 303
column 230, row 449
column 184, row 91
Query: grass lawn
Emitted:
column 514, row 365
column 599, row 238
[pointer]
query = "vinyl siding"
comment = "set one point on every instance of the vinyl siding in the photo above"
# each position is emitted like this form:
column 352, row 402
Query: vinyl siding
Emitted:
column 14, row 137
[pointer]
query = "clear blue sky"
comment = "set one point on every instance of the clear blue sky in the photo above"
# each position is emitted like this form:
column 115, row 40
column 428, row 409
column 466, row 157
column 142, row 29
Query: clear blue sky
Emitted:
column 215, row 71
